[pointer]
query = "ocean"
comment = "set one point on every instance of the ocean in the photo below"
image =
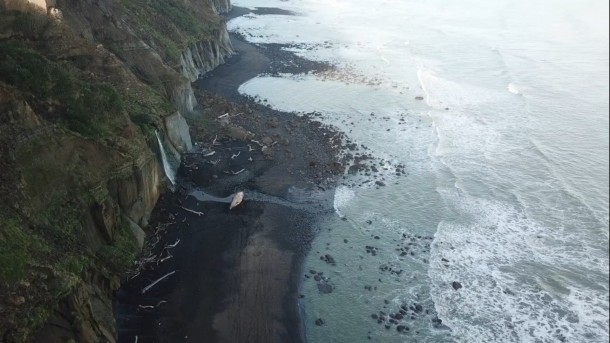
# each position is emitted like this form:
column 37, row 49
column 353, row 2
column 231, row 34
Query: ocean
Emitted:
column 497, row 111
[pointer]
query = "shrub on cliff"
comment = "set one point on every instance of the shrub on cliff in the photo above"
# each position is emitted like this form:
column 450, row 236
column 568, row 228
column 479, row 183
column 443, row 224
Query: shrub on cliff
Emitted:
column 85, row 107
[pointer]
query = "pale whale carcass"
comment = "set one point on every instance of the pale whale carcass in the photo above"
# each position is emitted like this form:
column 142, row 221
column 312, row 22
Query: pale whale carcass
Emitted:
column 237, row 199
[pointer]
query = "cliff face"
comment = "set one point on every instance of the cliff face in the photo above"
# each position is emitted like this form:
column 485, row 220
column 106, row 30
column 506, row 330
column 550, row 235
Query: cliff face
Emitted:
column 82, row 91
column 201, row 57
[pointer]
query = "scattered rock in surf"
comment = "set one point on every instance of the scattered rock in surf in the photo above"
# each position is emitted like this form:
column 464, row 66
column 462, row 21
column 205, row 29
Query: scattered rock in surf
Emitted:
column 402, row 328
column 380, row 183
column 456, row 285
column 267, row 141
column 328, row 258
column 320, row 322
column 419, row 97
column 325, row 288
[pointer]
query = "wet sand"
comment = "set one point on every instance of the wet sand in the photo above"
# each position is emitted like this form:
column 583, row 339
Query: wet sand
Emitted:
column 236, row 274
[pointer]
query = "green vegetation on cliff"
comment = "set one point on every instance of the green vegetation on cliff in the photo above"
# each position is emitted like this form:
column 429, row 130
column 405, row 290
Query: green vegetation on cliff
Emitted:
column 65, row 137
column 171, row 25
column 86, row 107
column 80, row 99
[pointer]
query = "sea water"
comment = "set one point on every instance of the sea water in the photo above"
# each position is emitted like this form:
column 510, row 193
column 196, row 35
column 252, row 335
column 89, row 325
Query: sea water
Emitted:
column 498, row 111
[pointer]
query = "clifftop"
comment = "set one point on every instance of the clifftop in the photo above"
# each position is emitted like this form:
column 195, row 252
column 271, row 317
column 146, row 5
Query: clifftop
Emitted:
column 83, row 88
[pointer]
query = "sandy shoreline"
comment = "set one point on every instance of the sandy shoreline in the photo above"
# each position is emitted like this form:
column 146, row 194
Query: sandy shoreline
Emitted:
column 236, row 274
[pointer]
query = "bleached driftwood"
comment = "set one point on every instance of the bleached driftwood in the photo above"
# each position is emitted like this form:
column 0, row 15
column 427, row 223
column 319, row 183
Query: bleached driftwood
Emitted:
column 237, row 199
column 235, row 156
column 250, row 148
column 209, row 154
column 257, row 142
column 192, row 211
column 145, row 289
column 173, row 245
column 148, row 307
column 165, row 258
column 223, row 116
column 238, row 172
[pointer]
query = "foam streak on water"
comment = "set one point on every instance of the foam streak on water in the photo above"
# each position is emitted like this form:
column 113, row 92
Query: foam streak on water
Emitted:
column 507, row 157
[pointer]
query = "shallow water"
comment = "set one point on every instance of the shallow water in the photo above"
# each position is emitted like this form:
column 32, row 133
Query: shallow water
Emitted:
column 506, row 156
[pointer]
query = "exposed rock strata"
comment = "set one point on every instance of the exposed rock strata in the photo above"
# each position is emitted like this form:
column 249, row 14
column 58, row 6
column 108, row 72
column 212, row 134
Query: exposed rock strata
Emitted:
column 88, row 198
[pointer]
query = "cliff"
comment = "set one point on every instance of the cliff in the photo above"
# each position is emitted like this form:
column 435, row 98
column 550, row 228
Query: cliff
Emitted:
column 84, row 85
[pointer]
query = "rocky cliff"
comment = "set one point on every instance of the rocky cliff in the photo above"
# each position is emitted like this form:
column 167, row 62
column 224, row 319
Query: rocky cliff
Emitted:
column 84, row 85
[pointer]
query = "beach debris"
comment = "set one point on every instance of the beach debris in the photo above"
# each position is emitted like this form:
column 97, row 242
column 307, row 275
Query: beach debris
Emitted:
column 209, row 154
column 173, row 245
column 237, row 199
column 238, row 172
column 149, row 307
column 165, row 258
column 257, row 142
column 235, row 155
column 192, row 211
column 223, row 116
column 250, row 148
column 147, row 288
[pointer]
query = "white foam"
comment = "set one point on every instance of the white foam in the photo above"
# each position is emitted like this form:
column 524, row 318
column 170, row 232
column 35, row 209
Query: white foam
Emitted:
column 513, row 88
column 442, row 93
column 343, row 196
column 521, row 283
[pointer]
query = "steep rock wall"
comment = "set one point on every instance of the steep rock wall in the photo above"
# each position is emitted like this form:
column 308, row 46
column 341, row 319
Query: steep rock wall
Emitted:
column 221, row 6
column 129, row 36
column 201, row 57
column 85, row 201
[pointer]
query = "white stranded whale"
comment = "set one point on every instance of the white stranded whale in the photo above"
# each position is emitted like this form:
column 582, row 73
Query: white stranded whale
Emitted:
column 237, row 199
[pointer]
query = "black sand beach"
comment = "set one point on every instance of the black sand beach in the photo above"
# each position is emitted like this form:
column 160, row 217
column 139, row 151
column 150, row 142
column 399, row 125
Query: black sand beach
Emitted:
column 234, row 276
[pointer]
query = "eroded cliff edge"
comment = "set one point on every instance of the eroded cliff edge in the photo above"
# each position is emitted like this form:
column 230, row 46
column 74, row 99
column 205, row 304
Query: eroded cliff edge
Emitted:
column 84, row 85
